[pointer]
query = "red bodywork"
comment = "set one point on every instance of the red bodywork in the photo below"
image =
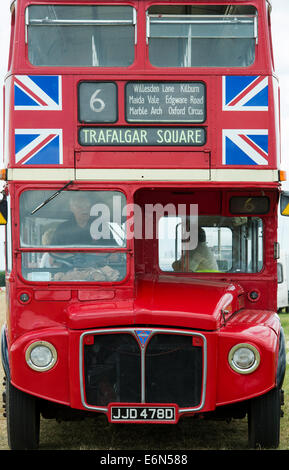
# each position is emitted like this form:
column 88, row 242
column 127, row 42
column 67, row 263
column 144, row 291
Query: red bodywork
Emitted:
column 212, row 306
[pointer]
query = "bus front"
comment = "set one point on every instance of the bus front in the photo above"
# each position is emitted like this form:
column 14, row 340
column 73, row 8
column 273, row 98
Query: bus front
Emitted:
column 142, row 161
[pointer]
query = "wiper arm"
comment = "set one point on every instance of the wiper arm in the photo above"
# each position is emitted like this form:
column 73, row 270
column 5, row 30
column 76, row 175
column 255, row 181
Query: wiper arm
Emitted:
column 50, row 198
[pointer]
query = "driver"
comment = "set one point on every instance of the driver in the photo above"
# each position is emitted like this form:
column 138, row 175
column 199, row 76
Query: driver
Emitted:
column 77, row 230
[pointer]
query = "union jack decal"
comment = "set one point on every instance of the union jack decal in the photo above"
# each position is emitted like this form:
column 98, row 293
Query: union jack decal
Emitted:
column 245, row 93
column 245, row 147
column 37, row 93
column 38, row 146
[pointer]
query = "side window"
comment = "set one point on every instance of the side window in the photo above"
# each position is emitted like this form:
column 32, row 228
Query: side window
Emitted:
column 251, row 244
column 219, row 240
column 12, row 33
column 222, row 244
column 170, row 237
column 280, row 273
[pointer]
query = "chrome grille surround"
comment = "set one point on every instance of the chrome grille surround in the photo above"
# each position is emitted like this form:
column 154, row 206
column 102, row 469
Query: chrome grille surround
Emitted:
column 142, row 347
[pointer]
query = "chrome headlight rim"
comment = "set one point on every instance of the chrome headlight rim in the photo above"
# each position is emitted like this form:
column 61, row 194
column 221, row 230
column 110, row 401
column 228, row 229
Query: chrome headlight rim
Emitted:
column 236, row 367
column 36, row 367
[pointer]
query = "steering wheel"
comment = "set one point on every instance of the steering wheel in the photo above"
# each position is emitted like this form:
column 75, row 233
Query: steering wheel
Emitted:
column 62, row 260
column 75, row 260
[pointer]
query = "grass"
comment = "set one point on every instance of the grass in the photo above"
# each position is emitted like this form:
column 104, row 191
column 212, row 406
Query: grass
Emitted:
column 284, row 445
column 189, row 434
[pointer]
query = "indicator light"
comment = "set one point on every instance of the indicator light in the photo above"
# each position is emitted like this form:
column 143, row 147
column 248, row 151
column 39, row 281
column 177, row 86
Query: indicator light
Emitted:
column 254, row 295
column 24, row 298
column 3, row 174
column 89, row 339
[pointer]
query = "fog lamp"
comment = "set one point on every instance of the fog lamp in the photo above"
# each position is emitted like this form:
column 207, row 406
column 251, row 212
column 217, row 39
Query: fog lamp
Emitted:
column 41, row 356
column 244, row 358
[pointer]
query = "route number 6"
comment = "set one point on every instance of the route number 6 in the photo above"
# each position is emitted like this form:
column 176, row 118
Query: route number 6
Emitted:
column 96, row 104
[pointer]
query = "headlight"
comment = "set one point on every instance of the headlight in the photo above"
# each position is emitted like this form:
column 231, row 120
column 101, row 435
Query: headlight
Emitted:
column 41, row 356
column 244, row 358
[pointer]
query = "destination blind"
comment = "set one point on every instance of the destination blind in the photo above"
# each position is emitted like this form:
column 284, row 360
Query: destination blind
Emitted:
column 165, row 102
column 143, row 136
column 149, row 102
column 145, row 102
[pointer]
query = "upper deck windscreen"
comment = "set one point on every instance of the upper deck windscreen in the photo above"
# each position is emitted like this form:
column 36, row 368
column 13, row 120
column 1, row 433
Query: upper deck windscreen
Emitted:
column 202, row 36
column 81, row 36
column 176, row 36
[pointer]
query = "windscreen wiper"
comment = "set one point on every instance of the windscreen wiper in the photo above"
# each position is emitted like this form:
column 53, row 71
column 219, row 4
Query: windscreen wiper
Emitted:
column 50, row 198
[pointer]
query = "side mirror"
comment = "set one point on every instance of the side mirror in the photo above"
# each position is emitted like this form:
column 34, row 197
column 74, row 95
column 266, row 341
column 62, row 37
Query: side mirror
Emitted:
column 284, row 203
column 3, row 211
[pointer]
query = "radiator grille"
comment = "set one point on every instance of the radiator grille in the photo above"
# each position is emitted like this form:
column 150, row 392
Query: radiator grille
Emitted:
column 173, row 370
column 112, row 370
column 118, row 368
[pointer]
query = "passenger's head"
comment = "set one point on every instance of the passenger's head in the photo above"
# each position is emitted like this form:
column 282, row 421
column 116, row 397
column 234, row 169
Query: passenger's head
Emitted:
column 191, row 227
column 201, row 235
column 80, row 205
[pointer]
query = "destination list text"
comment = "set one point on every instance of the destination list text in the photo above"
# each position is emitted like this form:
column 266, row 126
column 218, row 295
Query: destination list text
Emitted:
column 165, row 102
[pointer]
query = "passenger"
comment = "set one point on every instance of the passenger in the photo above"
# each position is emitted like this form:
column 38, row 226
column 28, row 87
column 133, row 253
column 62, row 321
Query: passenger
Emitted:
column 199, row 259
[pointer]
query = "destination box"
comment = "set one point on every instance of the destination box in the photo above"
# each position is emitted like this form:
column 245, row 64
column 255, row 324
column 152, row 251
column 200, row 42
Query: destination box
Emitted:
column 142, row 136
column 97, row 102
column 165, row 102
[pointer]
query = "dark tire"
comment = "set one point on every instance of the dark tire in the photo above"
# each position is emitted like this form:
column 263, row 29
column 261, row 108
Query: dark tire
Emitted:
column 264, row 420
column 23, row 419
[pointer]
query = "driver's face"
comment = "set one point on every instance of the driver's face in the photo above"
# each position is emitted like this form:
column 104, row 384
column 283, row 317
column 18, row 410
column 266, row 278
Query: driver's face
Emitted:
column 81, row 211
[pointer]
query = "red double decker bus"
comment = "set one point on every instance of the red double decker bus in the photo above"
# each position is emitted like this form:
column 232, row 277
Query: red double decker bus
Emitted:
column 142, row 187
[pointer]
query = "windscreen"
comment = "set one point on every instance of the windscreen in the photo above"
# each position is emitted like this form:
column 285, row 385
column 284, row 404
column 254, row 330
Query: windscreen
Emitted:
column 90, row 224
column 81, row 36
column 202, row 35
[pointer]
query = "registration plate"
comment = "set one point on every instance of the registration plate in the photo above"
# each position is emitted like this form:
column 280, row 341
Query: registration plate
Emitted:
column 147, row 413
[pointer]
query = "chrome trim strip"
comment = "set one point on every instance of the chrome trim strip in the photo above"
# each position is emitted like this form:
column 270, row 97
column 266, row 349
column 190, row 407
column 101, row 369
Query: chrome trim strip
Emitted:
column 52, row 22
column 143, row 371
column 132, row 331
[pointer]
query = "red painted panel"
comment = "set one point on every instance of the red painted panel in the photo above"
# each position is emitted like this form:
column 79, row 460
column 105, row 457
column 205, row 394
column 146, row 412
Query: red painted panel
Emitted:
column 143, row 159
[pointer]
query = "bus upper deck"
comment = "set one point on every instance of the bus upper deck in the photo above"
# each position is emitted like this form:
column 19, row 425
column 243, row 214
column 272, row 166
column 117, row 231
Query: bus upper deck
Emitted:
column 138, row 91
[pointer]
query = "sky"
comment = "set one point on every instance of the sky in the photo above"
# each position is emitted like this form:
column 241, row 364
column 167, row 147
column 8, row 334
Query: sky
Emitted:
column 280, row 35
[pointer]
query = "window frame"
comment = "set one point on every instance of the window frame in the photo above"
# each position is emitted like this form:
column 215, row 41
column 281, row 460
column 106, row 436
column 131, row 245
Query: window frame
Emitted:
column 246, row 245
column 210, row 17
column 42, row 249
column 111, row 23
